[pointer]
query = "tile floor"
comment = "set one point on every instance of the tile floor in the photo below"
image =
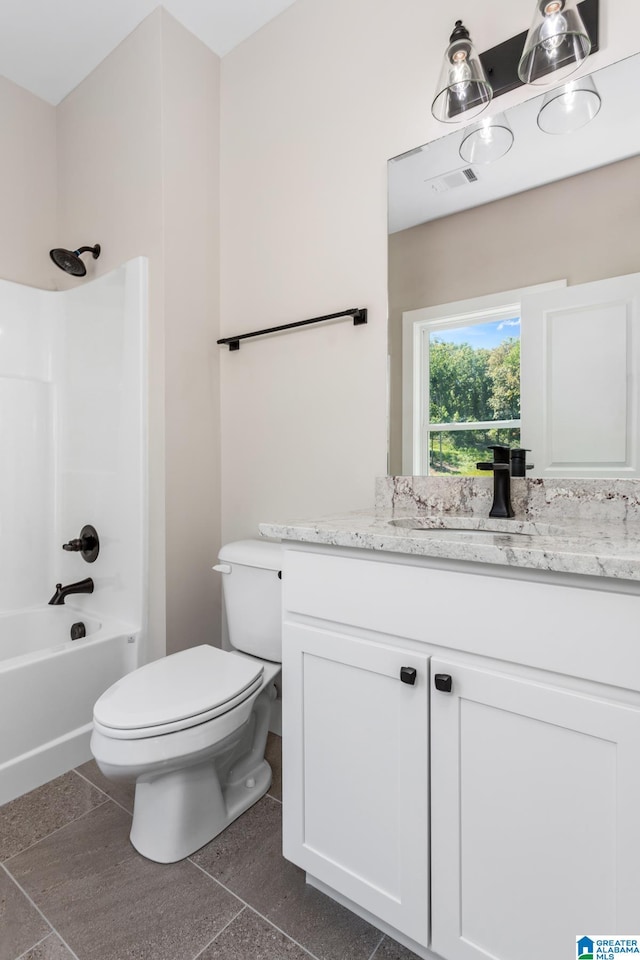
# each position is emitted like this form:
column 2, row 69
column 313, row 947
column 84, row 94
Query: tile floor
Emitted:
column 73, row 888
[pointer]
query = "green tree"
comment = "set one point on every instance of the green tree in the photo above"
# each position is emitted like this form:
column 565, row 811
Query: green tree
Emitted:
column 504, row 373
column 459, row 383
column 468, row 385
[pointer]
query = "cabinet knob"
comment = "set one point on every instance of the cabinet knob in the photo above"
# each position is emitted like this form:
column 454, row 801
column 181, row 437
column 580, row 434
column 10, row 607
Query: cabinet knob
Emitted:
column 408, row 675
column 443, row 682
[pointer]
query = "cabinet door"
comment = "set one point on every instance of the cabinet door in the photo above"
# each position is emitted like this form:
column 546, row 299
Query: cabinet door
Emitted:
column 356, row 754
column 535, row 827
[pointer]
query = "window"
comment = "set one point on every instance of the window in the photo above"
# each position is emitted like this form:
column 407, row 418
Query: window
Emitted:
column 461, row 382
column 473, row 393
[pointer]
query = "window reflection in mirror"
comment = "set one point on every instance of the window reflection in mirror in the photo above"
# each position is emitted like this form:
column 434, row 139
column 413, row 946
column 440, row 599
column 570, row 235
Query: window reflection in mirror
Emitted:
column 473, row 393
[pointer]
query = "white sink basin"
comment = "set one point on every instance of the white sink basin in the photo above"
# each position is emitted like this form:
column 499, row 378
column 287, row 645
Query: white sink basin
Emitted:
column 485, row 528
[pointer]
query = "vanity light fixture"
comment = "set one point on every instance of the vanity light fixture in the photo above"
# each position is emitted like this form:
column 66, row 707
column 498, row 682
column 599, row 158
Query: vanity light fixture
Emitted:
column 463, row 90
column 557, row 42
column 563, row 34
column 570, row 107
column 487, row 140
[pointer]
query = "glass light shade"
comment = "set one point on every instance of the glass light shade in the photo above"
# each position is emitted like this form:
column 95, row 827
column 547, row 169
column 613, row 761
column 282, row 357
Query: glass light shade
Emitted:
column 570, row 107
column 556, row 44
column 463, row 90
column 487, row 140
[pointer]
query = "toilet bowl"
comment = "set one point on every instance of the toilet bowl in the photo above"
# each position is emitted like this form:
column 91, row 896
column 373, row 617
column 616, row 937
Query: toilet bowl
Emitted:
column 190, row 730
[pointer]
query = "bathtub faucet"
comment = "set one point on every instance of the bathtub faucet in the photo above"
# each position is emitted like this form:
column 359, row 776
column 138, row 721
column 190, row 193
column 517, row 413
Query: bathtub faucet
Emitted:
column 82, row 586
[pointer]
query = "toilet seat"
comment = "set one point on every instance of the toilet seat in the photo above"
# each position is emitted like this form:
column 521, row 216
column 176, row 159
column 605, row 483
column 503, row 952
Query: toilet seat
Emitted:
column 180, row 691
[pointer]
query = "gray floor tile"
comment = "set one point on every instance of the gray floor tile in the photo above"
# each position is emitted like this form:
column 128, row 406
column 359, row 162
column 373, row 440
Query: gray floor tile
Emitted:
column 238, row 853
column 247, row 858
column 43, row 810
column 122, row 793
column 50, row 949
column 273, row 756
column 390, row 950
column 250, row 937
column 109, row 903
column 21, row 926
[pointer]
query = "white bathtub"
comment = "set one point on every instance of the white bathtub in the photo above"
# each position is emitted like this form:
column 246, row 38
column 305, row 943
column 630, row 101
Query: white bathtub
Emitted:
column 48, row 685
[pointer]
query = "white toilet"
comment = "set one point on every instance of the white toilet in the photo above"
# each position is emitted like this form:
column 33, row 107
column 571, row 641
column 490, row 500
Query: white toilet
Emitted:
column 190, row 730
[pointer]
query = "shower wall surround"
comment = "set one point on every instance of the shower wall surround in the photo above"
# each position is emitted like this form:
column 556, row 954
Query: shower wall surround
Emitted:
column 27, row 322
column 73, row 440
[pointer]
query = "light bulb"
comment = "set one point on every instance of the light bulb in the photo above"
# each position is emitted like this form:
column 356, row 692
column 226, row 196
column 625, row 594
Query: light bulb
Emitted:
column 460, row 75
column 485, row 131
column 553, row 29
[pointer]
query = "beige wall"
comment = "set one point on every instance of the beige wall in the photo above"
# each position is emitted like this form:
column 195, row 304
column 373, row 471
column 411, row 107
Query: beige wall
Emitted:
column 312, row 107
column 137, row 158
column 191, row 151
column 27, row 186
column 578, row 229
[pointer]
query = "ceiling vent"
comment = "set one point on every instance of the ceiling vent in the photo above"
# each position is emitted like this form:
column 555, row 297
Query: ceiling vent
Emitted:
column 458, row 178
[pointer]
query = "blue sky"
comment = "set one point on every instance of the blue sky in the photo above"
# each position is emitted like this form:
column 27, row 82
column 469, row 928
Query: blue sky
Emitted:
column 487, row 335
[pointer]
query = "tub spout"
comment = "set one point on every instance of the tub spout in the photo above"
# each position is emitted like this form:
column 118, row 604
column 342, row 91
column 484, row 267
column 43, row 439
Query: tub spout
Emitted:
column 82, row 586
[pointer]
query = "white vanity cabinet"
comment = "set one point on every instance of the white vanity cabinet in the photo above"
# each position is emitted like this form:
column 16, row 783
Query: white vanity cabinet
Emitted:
column 357, row 761
column 524, row 778
column 534, row 806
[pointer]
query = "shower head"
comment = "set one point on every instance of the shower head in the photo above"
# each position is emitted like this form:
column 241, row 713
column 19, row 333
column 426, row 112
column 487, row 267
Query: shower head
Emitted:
column 70, row 261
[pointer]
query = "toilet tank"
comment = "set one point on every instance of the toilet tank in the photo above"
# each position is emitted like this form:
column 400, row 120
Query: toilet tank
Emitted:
column 253, row 596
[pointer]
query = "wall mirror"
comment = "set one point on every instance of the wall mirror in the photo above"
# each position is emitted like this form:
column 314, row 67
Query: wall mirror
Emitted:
column 514, row 287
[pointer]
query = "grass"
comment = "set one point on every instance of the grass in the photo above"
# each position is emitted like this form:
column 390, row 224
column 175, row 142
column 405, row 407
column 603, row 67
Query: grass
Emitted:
column 452, row 455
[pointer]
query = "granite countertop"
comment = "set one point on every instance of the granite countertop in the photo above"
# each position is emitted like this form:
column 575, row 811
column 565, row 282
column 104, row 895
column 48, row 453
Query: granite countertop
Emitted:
column 590, row 528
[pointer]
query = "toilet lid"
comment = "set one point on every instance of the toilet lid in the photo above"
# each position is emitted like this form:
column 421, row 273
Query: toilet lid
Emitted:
column 182, row 686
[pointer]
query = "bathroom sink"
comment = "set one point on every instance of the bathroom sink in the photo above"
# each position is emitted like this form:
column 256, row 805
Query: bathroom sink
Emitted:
column 461, row 533
column 477, row 528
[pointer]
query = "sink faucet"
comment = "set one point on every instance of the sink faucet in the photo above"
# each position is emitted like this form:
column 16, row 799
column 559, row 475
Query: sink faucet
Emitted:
column 519, row 465
column 82, row 586
column 506, row 463
column 501, row 466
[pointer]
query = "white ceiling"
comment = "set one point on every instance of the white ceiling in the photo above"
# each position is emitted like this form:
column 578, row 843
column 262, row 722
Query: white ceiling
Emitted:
column 50, row 46
column 418, row 194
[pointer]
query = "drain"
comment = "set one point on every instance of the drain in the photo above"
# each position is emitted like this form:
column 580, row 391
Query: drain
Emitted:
column 78, row 631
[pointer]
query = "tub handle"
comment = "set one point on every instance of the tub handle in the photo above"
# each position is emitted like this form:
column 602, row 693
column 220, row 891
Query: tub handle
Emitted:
column 87, row 544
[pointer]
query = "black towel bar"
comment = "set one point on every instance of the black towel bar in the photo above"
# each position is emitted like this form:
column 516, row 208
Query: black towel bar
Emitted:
column 359, row 315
